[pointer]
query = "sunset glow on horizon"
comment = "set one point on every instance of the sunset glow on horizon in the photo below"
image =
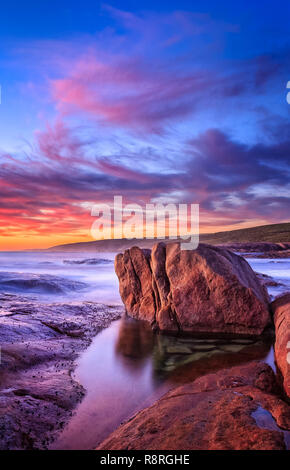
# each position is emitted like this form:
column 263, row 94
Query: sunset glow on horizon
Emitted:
column 176, row 104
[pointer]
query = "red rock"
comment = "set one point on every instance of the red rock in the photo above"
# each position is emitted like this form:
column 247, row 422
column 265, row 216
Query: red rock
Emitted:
column 281, row 309
column 208, row 290
column 233, row 409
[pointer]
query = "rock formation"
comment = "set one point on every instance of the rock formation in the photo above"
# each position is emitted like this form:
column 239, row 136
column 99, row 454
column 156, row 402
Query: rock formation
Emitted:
column 281, row 309
column 208, row 290
column 233, row 409
column 40, row 344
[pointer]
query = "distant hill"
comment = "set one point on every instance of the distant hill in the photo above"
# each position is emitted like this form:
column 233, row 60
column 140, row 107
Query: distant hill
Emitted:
column 276, row 233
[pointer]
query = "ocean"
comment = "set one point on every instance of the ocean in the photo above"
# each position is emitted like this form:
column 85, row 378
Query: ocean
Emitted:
column 127, row 366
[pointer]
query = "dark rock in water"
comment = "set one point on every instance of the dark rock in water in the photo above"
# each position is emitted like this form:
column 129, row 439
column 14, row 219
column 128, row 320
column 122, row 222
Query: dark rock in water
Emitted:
column 89, row 261
column 281, row 309
column 40, row 283
column 207, row 290
column 270, row 254
column 216, row 412
column 268, row 281
column 260, row 249
column 257, row 247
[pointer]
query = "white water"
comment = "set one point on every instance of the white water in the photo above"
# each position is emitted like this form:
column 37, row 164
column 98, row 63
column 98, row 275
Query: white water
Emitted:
column 99, row 279
column 279, row 269
column 57, row 277
column 127, row 366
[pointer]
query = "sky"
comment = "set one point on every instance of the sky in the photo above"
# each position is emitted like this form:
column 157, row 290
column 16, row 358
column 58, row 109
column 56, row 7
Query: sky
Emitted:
column 173, row 102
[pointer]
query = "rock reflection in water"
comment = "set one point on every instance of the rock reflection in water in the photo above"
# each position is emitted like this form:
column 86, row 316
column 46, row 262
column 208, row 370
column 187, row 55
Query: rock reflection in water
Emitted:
column 185, row 359
column 224, row 355
column 128, row 366
column 136, row 342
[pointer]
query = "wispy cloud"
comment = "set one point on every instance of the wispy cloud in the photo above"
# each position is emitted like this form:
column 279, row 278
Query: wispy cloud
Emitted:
column 154, row 109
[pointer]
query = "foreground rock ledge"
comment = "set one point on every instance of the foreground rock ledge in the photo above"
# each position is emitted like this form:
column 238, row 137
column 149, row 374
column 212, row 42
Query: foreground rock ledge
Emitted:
column 234, row 409
column 207, row 290
column 40, row 344
column 281, row 309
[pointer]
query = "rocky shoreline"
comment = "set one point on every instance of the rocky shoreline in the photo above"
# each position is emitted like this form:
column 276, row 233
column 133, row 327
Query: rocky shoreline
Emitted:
column 40, row 344
column 211, row 293
column 240, row 408
column 233, row 409
column 260, row 249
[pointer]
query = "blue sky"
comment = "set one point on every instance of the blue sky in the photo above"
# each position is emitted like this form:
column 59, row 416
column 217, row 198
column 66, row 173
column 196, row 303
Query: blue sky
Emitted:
column 178, row 100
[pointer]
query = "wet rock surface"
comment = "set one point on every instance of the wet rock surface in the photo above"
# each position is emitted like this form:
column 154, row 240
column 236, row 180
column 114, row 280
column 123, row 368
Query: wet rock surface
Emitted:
column 88, row 261
column 281, row 310
column 40, row 343
column 207, row 290
column 233, row 409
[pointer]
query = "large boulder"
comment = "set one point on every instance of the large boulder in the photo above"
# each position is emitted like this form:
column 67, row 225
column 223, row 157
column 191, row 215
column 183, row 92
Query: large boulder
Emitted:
column 281, row 309
column 207, row 290
column 233, row 409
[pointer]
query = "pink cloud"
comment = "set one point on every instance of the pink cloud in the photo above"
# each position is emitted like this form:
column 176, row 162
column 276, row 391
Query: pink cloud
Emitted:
column 142, row 95
column 50, row 191
column 121, row 172
column 126, row 94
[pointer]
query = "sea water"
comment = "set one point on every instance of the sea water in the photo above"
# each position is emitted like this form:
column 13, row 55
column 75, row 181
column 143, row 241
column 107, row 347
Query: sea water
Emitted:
column 58, row 277
column 127, row 366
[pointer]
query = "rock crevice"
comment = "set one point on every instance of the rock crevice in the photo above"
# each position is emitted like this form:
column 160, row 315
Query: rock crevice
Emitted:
column 207, row 290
